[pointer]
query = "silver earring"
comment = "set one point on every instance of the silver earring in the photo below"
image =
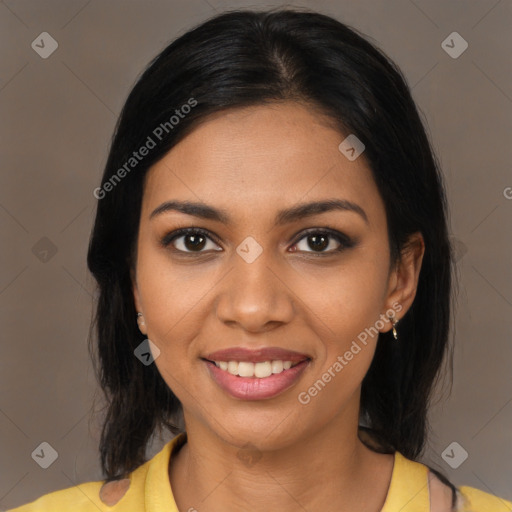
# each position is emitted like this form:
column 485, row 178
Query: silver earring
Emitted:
column 140, row 319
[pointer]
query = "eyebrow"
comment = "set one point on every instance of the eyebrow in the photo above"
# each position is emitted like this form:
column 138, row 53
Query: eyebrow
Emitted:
column 288, row 215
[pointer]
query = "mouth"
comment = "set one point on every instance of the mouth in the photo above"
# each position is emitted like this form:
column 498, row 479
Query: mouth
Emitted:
column 247, row 380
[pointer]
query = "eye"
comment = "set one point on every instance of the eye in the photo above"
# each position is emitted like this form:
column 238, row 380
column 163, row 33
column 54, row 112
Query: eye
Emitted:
column 188, row 240
column 320, row 239
column 195, row 240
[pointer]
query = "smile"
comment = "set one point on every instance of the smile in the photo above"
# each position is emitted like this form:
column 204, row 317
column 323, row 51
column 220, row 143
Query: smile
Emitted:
column 255, row 381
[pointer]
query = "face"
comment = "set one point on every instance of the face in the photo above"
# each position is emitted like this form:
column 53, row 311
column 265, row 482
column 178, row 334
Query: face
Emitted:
column 317, row 284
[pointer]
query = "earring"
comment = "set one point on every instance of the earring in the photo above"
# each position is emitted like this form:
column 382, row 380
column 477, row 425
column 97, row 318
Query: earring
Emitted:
column 140, row 319
column 395, row 334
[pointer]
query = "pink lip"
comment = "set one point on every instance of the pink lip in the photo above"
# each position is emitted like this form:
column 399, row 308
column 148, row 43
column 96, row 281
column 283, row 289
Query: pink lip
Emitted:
column 253, row 388
column 256, row 356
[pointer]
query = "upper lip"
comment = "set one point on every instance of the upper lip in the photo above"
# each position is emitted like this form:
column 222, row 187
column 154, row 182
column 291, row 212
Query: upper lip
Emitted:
column 256, row 355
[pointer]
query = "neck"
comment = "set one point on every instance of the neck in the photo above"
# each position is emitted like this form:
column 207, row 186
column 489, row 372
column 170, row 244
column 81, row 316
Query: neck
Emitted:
column 212, row 474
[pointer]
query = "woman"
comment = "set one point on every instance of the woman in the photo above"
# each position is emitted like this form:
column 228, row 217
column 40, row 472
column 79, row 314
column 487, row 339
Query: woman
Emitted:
column 272, row 254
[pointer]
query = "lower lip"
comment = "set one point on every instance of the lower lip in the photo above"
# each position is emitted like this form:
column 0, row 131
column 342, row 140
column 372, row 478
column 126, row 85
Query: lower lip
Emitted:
column 254, row 388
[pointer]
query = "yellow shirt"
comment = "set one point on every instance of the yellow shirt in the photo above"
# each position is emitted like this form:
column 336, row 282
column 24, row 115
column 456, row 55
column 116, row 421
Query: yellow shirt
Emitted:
column 150, row 491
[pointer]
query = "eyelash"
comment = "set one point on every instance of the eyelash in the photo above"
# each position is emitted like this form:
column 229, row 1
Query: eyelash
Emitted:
column 344, row 241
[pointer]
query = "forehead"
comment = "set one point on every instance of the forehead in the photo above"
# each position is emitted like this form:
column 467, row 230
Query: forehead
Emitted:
column 260, row 159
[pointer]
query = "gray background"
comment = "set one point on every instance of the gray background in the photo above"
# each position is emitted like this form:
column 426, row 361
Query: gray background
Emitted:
column 57, row 117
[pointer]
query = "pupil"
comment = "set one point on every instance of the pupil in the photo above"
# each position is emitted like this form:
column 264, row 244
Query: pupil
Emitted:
column 317, row 245
column 196, row 243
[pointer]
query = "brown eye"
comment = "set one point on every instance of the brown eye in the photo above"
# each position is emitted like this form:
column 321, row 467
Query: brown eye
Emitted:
column 189, row 240
column 319, row 240
column 194, row 242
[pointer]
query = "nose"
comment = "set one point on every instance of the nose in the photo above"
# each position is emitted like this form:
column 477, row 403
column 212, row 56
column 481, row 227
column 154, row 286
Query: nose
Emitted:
column 254, row 296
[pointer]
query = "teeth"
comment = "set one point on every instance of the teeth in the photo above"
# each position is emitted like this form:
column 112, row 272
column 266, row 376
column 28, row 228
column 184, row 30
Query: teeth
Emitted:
column 277, row 366
column 247, row 369
column 259, row 370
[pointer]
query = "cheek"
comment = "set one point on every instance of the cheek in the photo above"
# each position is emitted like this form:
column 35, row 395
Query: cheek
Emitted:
column 349, row 301
column 172, row 295
column 346, row 315
column 176, row 300
column 353, row 313
column 347, row 347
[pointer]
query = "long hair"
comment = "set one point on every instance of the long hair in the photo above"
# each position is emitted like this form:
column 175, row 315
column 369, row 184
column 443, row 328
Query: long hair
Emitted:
column 245, row 58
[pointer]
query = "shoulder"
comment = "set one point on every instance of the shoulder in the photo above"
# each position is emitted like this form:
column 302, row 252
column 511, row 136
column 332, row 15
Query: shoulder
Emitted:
column 471, row 499
column 89, row 497
column 80, row 498
column 115, row 495
column 94, row 496
column 467, row 499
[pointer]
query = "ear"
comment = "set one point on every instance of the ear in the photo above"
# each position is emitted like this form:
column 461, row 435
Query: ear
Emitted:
column 403, row 278
column 138, row 303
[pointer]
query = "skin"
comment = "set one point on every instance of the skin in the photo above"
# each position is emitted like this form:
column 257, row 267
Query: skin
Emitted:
column 252, row 163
